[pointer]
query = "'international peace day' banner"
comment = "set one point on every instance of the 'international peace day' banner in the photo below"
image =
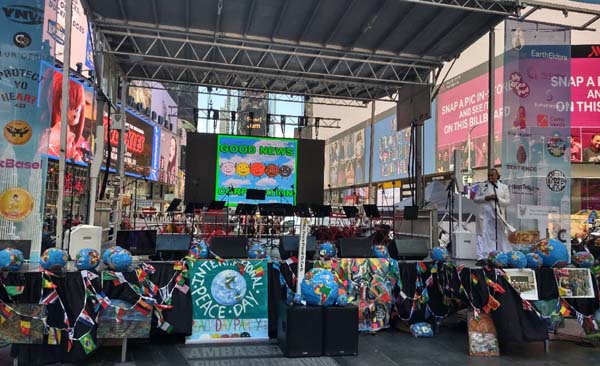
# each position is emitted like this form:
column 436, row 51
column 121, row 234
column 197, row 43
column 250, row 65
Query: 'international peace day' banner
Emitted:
column 536, row 152
column 230, row 301
column 23, row 118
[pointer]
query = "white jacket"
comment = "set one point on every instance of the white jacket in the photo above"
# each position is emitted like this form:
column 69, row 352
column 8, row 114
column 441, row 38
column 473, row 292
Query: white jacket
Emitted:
column 487, row 189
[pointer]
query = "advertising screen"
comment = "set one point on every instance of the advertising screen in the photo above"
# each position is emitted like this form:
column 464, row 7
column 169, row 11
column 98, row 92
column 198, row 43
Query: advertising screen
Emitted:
column 348, row 159
column 245, row 162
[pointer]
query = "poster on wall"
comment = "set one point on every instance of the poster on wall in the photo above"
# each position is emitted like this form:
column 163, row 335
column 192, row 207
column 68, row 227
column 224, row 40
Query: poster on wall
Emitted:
column 252, row 112
column 536, row 129
column 260, row 163
column 229, row 301
column 24, row 121
column 348, row 158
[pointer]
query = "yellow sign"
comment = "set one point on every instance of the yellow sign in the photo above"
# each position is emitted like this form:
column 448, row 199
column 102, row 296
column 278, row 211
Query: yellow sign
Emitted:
column 17, row 132
column 15, row 204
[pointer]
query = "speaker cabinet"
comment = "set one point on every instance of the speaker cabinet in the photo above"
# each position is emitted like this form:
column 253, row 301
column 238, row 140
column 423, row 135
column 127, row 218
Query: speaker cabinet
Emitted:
column 300, row 330
column 340, row 330
column 409, row 248
column 355, row 247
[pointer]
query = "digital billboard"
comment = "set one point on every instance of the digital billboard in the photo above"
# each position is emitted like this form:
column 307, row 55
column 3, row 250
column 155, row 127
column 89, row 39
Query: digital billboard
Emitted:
column 260, row 163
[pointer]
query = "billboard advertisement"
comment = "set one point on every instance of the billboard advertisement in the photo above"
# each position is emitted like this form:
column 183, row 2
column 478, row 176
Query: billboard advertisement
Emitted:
column 348, row 157
column 168, row 161
column 261, row 163
column 252, row 113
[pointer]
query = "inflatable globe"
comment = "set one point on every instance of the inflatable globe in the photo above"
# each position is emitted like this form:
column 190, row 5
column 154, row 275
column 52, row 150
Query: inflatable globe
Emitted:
column 525, row 250
column 87, row 259
column 319, row 287
column 327, row 250
column 517, row 259
column 108, row 252
column 534, row 260
column 228, row 288
column 342, row 300
column 380, row 251
column 120, row 261
column 498, row 259
column 54, row 259
column 199, row 249
column 256, row 251
column 553, row 252
column 583, row 259
column 11, row 259
column 439, row 254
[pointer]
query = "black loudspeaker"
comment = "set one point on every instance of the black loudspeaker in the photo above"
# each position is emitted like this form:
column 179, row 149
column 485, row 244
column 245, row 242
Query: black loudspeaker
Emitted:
column 409, row 248
column 229, row 247
column 300, row 330
column 340, row 330
column 355, row 247
column 288, row 246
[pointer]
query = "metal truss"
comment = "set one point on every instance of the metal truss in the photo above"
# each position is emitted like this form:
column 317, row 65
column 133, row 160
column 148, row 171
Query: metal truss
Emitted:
column 503, row 8
column 273, row 119
column 561, row 13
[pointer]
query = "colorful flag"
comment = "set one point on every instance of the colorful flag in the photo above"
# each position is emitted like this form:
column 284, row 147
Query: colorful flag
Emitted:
column 258, row 270
column 565, row 310
column 4, row 310
column 25, row 327
column 492, row 304
column 103, row 300
column 50, row 298
column 86, row 319
column 87, row 342
column 183, row 288
column 119, row 314
column 54, row 335
column 165, row 326
column 142, row 307
column 474, row 279
column 527, row 305
column 48, row 284
column 421, row 267
column 14, row 290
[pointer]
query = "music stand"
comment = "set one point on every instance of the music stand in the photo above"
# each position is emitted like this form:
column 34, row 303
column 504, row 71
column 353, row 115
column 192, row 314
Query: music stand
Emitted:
column 302, row 210
column 350, row 211
column 216, row 205
column 371, row 211
column 245, row 209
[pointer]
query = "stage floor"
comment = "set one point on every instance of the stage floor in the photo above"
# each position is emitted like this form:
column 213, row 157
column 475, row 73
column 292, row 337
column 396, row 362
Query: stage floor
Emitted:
column 387, row 348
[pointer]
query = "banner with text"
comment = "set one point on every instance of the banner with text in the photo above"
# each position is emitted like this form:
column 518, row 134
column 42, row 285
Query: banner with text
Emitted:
column 229, row 300
column 25, row 120
column 536, row 128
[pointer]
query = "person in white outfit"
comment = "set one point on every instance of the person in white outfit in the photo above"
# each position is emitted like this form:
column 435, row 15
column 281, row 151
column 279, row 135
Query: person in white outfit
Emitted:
column 492, row 198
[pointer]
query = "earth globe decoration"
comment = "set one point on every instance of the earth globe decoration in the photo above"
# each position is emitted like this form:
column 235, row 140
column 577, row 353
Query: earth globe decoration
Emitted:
column 342, row 300
column 87, row 259
column 517, row 259
column 11, row 259
column 257, row 251
column 120, row 261
column 439, row 254
column 380, row 251
column 199, row 249
column 53, row 259
column 327, row 250
column 228, row 288
column 534, row 260
column 553, row 252
column 498, row 259
column 583, row 259
column 108, row 252
column 319, row 287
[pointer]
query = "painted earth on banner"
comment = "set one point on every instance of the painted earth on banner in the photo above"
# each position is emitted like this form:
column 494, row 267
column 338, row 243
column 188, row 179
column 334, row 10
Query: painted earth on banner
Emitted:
column 229, row 300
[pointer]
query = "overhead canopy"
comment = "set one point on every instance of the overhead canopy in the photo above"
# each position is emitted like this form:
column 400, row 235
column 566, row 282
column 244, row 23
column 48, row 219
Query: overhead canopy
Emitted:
column 355, row 49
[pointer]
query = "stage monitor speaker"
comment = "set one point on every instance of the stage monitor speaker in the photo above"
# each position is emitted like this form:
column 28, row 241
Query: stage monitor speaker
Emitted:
column 300, row 330
column 288, row 246
column 409, row 248
column 229, row 247
column 411, row 212
column 355, row 247
column 340, row 330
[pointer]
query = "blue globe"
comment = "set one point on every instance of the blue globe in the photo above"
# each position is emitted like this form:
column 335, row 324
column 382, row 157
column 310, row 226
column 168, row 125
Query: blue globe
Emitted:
column 108, row 252
column 256, row 251
column 517, row 259
column 11, row 259
column 583, row 259
column 120, row 261
column 525, row 250
column 342, row 300
column 439, row 254
column 327, row 250
column 553, row 252
column 54, row 259
column 319, row 287
column 380, row 251
column 228, row 288
column 534, row 260
column 498, row 259
column 199, row 249
column 87, row 259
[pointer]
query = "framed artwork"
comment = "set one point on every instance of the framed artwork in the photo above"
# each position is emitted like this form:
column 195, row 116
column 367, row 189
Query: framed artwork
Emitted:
column 575, row 283
column 523, row 280
column 131, row 323
column 483, row 340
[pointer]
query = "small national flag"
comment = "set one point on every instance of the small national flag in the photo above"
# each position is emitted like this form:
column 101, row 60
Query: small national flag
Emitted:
column 474, row 279
column 492, row 304
column 166, row 327
column 25, row 327
column 4, row 310
column 142, row 307
column 2, row 320
column 14, row 290
column 86, row 319
column 564, row 309
column 48, row 284
column 460, row 268
column 421, row 267
column 87, row 343
column 69, row 344
column 119, row 314
column 50, row 298
column 103, row 300
column 527, row 305
column 54, row 336
column 183, row 288
column 429, row 281
column 178, row 266
column 258, row 270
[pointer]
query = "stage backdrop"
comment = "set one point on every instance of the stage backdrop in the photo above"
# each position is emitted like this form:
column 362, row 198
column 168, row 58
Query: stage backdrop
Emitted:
column 25, row 120
column 536, row 128
column 230, row 301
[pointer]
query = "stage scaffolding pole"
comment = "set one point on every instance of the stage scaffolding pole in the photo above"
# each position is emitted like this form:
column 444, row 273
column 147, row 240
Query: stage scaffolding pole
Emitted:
column 99, row 138
column 372, row 190
column 121, row 156
column 64, row 123
column 491, row 82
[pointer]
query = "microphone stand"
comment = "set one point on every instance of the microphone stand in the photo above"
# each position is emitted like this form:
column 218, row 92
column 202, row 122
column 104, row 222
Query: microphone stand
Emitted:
column 496, row 214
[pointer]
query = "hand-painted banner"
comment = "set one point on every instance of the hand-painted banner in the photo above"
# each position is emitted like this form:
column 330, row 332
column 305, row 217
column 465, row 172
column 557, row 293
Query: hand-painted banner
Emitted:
column 23, row 119
column 230, row 301
column 536, row 130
